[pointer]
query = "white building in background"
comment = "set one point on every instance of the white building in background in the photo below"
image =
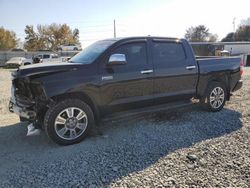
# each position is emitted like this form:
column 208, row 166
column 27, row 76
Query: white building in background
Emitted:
column 234, row 48
column 220, row 48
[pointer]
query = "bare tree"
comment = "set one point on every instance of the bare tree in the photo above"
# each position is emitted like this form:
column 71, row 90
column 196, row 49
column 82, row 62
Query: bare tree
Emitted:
column 243, row 33
column 200, row 33
column 229, row 38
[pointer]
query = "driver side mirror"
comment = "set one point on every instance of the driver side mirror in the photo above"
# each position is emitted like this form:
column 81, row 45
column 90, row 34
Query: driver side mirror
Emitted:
column 117, row 59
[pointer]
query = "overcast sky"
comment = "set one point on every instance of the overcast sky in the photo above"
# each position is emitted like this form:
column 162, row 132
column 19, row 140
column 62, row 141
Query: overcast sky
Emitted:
column 95, row 18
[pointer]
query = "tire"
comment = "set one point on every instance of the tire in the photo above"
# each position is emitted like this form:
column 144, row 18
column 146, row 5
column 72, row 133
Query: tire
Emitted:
column 62, row 121
column 27, row 63
column 75, row 49
column 214, row 102
column 22, row 119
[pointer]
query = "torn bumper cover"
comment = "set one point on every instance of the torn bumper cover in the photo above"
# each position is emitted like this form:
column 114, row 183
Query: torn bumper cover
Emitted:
column 22, row 111
column 238, row 85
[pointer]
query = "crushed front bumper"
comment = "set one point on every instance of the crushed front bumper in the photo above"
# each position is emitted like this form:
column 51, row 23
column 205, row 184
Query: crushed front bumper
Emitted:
column 22, row 111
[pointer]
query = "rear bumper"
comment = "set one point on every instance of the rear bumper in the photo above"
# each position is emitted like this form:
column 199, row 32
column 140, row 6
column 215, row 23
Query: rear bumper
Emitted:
column 22, row 111
column 238, row 85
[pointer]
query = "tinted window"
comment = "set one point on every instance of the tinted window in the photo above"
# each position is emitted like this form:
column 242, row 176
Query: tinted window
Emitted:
column 135, row 53
column 164, row 52
column 46, row 56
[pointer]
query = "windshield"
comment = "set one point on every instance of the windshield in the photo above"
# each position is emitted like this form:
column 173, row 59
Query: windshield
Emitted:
column 89, row 54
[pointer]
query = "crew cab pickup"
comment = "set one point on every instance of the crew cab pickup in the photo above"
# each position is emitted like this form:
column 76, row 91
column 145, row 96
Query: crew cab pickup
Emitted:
column 118, row 75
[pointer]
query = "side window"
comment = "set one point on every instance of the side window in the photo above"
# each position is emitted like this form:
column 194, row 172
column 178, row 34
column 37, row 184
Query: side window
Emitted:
column 46, row 56
column 167, row 53
column 135, row 53
column 54, row 56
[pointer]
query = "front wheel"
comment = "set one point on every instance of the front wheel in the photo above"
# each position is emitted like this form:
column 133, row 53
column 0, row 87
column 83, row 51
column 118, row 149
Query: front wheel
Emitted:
column 215, row 97
column 69, row 121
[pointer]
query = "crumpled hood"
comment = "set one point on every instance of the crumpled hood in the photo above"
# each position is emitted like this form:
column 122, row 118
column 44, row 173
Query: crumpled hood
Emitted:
column 44, row 68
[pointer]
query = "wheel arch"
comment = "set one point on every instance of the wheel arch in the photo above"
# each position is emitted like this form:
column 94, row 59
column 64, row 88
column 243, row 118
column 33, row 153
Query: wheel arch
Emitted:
column 27, row 63
column 222, row 78
column 83, row 97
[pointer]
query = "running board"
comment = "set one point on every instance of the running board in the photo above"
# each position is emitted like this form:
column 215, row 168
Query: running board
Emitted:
column 150, row 109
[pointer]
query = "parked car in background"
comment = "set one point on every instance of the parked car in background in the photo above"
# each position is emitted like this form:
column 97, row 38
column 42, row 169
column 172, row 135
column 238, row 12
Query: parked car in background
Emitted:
column 43, row 58
column 70, row 47
column 15, row 62
column 48, row 57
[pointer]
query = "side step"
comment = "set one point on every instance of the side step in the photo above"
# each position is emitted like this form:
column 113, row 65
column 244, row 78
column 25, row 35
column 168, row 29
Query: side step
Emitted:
column 157, row 108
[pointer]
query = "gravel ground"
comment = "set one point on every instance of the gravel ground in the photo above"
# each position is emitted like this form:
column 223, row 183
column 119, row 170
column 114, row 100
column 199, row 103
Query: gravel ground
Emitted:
column 184, row 148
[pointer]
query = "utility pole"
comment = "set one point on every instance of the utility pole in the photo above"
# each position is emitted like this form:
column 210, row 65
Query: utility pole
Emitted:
column 114, row 30
column 234, row 24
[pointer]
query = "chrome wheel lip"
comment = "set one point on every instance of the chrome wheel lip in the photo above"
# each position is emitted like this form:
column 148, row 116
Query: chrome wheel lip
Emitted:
column 70, row 123
column 217, row 97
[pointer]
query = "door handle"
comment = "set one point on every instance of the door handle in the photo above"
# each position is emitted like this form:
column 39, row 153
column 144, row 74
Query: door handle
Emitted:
column 191, row 67
column 146, row 71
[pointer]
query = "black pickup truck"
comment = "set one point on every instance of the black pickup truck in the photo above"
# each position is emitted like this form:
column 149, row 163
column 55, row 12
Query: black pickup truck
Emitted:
column 118, row 75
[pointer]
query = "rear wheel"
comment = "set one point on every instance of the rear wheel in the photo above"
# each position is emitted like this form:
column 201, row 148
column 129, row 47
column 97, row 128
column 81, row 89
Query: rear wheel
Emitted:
column 27, row 63
column 69, row 121
column 215, row 97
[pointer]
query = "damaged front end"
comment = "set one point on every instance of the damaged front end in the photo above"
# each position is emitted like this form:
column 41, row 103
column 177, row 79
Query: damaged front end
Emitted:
column 28, row 98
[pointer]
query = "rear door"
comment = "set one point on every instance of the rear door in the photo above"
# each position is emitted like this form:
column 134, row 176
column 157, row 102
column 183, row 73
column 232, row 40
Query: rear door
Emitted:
column 175, row 72
column 123, row 85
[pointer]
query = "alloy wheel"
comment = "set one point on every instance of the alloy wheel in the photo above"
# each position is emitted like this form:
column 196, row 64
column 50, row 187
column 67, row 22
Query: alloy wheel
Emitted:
column 71, row 123
column 217, row 97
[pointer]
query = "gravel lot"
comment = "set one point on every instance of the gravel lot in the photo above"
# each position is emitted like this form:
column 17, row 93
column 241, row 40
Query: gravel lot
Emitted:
column 184, row 148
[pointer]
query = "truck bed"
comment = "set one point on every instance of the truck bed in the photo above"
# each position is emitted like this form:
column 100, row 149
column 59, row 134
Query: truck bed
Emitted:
column 225, row 69
column 207, row 64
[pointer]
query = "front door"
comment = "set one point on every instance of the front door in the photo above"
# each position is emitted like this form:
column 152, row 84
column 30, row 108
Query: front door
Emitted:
column 123, row 86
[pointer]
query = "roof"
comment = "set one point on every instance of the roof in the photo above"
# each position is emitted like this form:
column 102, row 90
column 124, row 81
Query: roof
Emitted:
column 141, row 37
column 221, row 43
